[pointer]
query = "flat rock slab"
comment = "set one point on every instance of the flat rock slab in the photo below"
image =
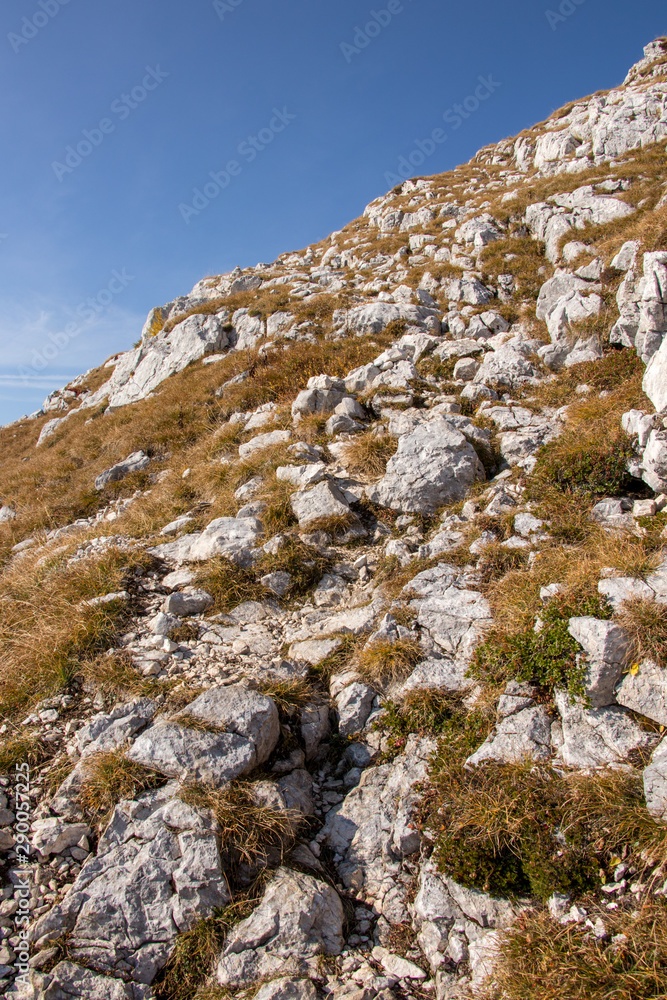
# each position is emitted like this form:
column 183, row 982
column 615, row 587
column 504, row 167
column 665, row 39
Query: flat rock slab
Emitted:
column 372, row 828
column 525, row 734
column 434, row 465
column 453, row 615
column 68, row 981
column 179, row 752
column 235, row 538
column 645, row 691
column 240, row 710
column 156, row 873
column 287, row 988
column 600, row 736
column 443, row 675
column 297, row 919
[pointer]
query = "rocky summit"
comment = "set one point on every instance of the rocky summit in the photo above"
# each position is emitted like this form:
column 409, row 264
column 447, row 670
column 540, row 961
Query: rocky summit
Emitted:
column 334, row 613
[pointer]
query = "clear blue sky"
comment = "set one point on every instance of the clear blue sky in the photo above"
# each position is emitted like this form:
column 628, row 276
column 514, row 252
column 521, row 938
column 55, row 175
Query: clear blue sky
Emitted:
column 180, row 86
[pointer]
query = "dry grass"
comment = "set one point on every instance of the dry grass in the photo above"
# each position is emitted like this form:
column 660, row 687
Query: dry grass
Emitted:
column 54, row 486
column 367, row 454
column 230, row 585
column 496, row 826
column 22, row 747
column 186, row 975
column 46, row 632
column 646, row 624
column 111, row 777
column 541, row 958
column 250, row 833
column 289, row 695
column 383, row 662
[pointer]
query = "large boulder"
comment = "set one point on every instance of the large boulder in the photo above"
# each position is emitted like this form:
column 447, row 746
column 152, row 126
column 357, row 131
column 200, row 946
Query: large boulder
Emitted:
column 372, row 829
column 136, row 462
column 192, row 755
column 240, row 710
column 433, row 466
column 156, row 873
column 607, row 647
column 143, row 370
column 298, row 919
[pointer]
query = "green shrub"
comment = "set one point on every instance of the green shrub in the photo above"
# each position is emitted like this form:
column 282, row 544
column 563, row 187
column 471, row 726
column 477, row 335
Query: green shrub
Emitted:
column 592, row 465
column 546, row 657
column 520, row 829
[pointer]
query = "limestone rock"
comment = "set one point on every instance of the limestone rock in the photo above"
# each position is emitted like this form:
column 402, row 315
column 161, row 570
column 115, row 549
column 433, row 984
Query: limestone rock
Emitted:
column 607, row 647
column 156, row 873
column 319, row 503
column 68, row 981
column 655, row 783
column 433, row 465
column 287, row 988
column 231, row 537
column 184, row 603
column 240, row 710
column 179, row 752
column 297, row 919
column 644, row 690
column 454, row 616
column 53, row 836
column 597, row 737
column 262, row 441
column 525, row 734
column 354, row 705
column 372, row 829
column 136, row 462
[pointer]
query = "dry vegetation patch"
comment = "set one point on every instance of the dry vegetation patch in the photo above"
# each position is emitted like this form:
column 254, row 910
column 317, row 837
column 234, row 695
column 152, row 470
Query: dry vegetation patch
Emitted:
column 540, row 958
column 111, row 777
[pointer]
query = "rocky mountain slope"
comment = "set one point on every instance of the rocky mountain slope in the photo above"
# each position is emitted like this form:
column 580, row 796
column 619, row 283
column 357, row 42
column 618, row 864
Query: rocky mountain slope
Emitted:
column 334, row 614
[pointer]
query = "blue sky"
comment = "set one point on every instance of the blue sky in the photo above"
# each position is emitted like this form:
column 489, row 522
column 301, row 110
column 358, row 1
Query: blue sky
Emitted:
column 312, row 115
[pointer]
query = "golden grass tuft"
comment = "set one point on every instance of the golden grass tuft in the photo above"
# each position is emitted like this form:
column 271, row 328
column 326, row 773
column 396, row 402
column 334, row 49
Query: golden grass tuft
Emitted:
column 367, row 454
column 646, row 623
column 539, row 957
column 383, row 662
column 111, row 777
column 249, row 832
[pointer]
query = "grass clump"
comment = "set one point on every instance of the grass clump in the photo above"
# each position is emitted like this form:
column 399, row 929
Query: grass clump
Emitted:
column 586, row 464
column 646, row 624
column 383, row 662
column 250, row 833
column 367, row 454
column 305, row 564
column 111, row 777
column 547, row 657
column 523, row 830
column 427, row 712
column 541, row 958
column 229, row 585
column 22, row 748
column 288, row 694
